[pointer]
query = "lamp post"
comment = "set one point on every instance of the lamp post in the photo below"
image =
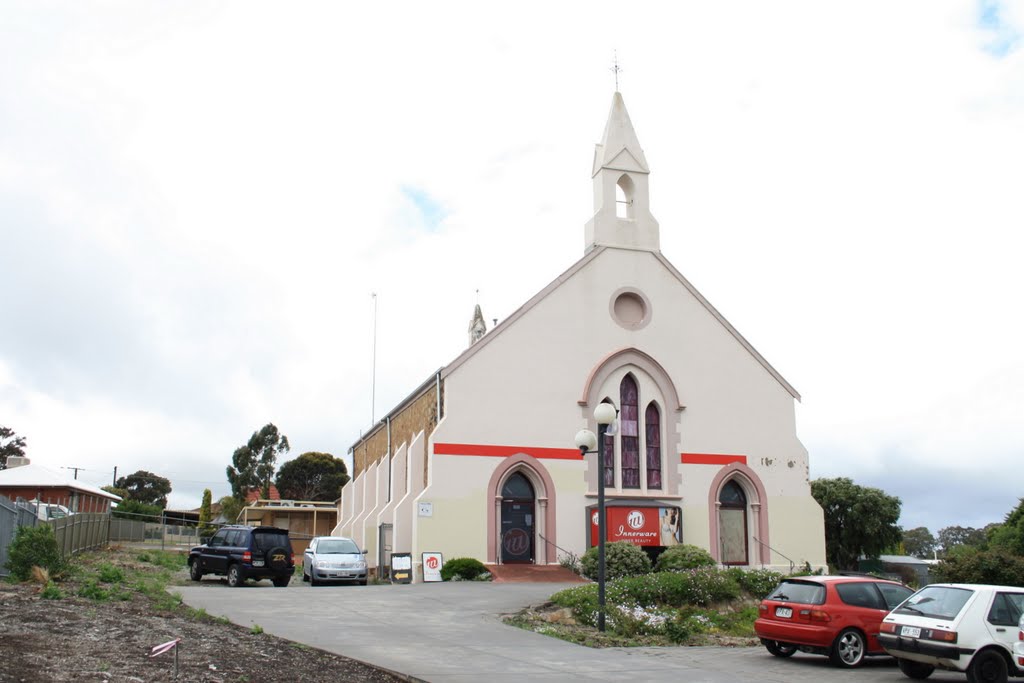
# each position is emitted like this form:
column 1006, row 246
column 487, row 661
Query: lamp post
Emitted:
column 604, row 415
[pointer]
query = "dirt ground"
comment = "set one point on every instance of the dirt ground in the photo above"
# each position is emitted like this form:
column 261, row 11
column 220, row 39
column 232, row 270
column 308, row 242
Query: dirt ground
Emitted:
column 81, row 639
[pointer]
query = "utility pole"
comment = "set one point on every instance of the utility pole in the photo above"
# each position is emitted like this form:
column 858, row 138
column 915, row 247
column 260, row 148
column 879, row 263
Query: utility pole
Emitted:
column 373, row 377
column 114, row 483
column 75, row 469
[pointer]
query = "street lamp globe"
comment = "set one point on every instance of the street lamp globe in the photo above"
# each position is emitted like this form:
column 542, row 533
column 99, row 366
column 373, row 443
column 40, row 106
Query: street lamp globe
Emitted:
column 586, row 441
column 604, row 413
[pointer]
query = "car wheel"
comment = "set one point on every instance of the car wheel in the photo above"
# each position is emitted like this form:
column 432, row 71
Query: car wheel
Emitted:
column 277, row 558
column 194, row 571
column 281, row 581
column 779, row 649
column 235, row 576
column 848, row 649
column 988, row 666
column 915, row 670
column 362, row 583
column 305, row 576
column 313, row 581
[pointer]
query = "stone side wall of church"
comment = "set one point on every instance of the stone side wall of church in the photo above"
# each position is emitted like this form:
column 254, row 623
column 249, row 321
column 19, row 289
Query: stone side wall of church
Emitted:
column 420, row 415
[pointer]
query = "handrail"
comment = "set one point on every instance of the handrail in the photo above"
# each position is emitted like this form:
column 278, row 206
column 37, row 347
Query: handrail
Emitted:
column 792, row 564
column 570, row 553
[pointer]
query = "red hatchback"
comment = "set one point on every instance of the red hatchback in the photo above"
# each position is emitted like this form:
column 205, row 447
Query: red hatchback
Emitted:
column 837, row 616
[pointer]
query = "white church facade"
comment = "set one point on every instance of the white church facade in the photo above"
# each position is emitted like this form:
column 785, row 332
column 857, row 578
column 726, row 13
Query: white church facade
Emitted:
column 479, row 460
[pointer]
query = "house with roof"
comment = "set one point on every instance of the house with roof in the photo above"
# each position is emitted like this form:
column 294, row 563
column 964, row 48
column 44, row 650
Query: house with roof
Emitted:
column 478, row 460
column 25, row 481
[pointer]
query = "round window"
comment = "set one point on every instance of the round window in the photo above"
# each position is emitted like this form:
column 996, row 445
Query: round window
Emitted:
column 630, row 309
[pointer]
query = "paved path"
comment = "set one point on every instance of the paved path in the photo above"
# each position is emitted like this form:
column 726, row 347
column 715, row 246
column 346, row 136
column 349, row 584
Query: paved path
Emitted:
column 451, row 633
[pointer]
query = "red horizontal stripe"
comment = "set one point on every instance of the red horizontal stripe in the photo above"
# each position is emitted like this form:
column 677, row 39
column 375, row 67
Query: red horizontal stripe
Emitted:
column 505, row 451
column 710, row 459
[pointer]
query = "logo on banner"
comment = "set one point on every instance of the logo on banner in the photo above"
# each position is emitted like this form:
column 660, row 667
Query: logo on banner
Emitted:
column 595, row 519
column 516, row 542
column 636, row 520
column 433, row 562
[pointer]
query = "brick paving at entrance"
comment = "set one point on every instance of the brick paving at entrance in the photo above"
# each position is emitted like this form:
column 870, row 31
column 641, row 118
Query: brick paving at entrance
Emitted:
column 532, row 573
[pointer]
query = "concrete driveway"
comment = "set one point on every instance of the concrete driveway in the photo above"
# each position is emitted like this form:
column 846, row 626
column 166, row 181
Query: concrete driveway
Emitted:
column 451, row 632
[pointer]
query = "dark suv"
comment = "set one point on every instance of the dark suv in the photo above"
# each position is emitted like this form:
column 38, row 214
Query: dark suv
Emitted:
column 245, row 552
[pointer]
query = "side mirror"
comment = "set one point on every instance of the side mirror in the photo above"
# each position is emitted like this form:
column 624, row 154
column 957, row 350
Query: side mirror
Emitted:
column 364, row 552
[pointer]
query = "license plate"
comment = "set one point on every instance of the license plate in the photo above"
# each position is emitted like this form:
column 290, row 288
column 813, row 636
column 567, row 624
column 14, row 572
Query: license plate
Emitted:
column 910, row 631
column 257, row 563
column 784, row 612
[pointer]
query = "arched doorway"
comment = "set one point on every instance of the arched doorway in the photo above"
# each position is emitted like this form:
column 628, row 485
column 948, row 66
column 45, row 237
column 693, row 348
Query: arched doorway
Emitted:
column 732, row 524
column 518, row 520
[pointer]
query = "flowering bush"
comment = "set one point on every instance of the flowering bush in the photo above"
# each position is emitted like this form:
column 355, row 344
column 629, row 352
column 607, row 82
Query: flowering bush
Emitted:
column 758, row 582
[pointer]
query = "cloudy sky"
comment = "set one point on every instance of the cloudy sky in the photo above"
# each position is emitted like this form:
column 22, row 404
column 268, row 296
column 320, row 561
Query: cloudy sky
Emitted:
column 198, row 199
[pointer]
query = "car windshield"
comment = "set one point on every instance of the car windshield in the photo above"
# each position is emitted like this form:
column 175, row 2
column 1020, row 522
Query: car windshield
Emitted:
column 265, row 540
column 806, row 592
column 337, row 546
column 938, row 602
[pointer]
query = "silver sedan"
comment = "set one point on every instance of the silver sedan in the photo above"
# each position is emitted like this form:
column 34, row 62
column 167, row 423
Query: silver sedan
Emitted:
column 334, row 558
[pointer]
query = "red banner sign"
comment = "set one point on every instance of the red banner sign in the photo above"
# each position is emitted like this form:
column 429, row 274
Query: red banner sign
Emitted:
column 638, row 525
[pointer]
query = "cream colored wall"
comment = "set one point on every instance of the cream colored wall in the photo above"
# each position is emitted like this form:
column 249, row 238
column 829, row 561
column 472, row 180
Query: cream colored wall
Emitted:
column 346, row 508
column 501, row 394
column 799, row 521
column 399, row 482
column 369, row 500
column 404, row 517
column 458, row 526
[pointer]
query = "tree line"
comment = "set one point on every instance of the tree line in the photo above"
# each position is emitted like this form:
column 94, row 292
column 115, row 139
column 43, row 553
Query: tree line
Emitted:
column 863, row 522
column 313, row 476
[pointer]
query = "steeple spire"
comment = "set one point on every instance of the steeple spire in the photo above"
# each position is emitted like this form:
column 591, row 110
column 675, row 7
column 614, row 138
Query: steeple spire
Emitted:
column 621, row 201
column 477, row 326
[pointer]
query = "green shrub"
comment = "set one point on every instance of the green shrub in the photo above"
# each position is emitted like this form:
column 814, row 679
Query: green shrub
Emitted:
column 621, row 558
column 34, row 546
column 51, row 592
column 678, row 628
column 570, row 561
column 758, row 582
column 464, row 569
column 108, row 573
column 582, row 600
column 682, row 557
column 966, row 564
column 91, row 589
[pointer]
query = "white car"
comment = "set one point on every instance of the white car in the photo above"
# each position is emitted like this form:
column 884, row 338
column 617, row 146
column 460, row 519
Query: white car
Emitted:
column 958, row 627
column 334, row 558
column 1018, row 647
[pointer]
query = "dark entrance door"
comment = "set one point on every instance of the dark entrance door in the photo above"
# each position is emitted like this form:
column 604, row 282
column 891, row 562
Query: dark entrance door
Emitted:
column 517, row 520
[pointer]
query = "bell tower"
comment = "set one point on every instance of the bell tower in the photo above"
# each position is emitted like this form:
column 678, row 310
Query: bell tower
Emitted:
column 622, row 215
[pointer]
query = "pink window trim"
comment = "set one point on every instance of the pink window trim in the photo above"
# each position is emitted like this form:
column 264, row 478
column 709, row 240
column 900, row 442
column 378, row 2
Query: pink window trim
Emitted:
column 740, row 471
column 543, row 489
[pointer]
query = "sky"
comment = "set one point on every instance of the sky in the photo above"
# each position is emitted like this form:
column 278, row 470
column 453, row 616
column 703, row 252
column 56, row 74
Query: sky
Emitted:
column 218, row 215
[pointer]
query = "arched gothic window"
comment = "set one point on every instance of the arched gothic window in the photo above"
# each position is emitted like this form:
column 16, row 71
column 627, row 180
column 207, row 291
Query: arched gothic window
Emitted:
column 624, row 189
column 633, row 456
column 732, row 524
column 629, row 427
column 652, row 424
column 609, row 456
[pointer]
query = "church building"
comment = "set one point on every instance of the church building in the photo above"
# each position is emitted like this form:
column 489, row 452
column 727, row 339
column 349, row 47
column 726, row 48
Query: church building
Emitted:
column 478, row 461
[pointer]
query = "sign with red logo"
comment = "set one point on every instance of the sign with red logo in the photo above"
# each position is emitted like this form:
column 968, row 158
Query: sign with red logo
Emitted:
column 432, row 563
column 637, row 525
